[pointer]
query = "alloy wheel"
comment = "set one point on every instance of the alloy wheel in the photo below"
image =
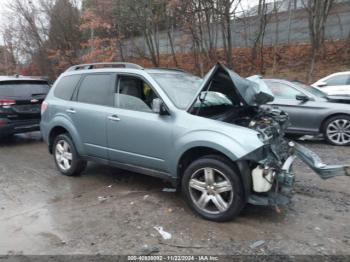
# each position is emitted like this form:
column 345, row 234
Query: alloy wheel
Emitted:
column 338, row 131
column 63, row 155
column 211, row 190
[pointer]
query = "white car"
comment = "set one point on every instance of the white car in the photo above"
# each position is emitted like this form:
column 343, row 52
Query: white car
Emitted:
column 335, row 84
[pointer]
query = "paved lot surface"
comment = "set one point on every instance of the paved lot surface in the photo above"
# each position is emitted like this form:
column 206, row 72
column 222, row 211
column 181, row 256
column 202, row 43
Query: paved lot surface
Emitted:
column 109, row 211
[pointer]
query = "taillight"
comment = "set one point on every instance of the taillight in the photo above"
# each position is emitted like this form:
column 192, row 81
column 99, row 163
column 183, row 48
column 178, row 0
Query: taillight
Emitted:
column 3, row 122
column 44, row 106
column 7, row 102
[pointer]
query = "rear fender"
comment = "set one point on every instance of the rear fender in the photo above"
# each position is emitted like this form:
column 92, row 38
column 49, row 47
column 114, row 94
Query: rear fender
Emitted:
column 63, row 121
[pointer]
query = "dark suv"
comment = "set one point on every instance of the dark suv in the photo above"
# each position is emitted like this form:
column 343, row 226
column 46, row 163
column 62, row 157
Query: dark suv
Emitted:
column 20, row 102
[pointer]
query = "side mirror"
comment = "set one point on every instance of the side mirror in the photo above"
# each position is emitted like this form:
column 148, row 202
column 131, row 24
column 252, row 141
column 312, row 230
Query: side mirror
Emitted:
column 302, row 98
column 321, row 84
column 159, row 107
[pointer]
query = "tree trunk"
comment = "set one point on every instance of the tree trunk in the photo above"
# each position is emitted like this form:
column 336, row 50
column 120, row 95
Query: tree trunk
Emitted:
column 172, row 48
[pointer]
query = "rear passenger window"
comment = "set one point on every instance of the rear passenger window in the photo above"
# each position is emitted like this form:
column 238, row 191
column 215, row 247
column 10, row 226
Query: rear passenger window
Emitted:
column 66, row 86
column 338, row 80
column 96, row 89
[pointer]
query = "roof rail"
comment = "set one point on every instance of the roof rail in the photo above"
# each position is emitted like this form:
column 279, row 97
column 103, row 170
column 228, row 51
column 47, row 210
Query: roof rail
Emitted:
column 168, row 68
column 102, row 65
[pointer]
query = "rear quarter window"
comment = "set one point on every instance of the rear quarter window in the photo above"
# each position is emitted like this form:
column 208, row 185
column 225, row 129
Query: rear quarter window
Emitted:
column 96, row 89
column 66, row 86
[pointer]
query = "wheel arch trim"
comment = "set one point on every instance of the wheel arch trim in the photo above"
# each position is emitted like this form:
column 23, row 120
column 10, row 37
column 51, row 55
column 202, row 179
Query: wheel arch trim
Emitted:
column 63, row 122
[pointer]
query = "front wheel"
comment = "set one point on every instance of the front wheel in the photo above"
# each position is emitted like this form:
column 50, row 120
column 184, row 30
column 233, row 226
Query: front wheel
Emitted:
column 66, row 156
column 213, row 188
column 337, row 130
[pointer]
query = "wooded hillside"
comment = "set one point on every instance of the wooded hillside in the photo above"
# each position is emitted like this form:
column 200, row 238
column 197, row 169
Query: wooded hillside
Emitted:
column 45, row 37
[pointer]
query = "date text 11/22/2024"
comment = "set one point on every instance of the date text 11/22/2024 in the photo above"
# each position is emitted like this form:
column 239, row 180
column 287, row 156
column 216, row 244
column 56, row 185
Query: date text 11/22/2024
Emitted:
column 173, row 258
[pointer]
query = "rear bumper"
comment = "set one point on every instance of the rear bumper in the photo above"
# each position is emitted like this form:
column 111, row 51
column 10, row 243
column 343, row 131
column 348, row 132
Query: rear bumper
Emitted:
column 44, row 129
column 22, row 126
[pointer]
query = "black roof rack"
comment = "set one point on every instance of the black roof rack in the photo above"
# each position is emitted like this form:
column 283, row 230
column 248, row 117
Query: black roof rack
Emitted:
column 104, row 65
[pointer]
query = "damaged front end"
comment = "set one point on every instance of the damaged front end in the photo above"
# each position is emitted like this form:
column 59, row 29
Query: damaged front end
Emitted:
column 272, row 173
column 270, row 164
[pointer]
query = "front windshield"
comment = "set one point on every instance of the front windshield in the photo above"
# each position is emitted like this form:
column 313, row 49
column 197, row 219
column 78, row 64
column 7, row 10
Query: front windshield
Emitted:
column 310, row 89
column 180, row 87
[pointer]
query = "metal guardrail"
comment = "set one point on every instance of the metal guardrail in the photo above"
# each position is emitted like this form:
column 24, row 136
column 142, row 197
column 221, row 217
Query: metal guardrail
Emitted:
column 104, row 65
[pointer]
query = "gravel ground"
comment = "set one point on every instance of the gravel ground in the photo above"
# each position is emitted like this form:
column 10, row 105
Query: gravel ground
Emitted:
column 109, row 211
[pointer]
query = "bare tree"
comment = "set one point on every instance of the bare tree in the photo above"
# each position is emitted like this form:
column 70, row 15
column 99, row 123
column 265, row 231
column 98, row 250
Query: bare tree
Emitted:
column 292, row 6
column 31, row 32
column 227, row 9
column 318, row 12
column 258, row 42
column 44, row 27
column 171, row 22
column 8, row 59
column 149, row 20
column 276, row 10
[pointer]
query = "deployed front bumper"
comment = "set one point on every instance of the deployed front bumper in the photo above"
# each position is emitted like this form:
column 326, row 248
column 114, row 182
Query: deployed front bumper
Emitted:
column 315, row 163
column 284, row 178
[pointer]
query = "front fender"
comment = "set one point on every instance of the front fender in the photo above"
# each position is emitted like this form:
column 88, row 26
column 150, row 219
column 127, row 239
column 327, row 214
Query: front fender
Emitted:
column 223, row 143
column 63, row 121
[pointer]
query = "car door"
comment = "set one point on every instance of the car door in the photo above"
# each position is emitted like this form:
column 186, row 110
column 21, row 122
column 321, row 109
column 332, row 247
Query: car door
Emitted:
column 92, row 102
column 301, row 113
column 337, row 85
column 136, row 135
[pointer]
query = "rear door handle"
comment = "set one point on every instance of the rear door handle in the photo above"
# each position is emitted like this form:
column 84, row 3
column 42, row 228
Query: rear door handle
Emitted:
column 114, row 118
column 71, row 111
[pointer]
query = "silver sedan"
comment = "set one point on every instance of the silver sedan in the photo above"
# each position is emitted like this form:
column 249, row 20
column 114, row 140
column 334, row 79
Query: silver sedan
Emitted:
column 311, row 111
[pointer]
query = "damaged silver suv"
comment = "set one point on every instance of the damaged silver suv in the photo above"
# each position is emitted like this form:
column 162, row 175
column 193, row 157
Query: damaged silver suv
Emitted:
column 210, row 137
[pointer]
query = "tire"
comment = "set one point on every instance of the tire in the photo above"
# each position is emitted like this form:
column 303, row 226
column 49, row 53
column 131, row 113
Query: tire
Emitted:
column 66, row 157
column 201, row 190
column 337, row 130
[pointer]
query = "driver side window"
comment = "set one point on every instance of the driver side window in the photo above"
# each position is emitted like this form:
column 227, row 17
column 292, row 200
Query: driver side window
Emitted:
column 133, row 94
column 283, row 91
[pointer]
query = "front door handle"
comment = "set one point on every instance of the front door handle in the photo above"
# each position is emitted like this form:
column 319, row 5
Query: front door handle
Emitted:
column 114, row 118
column 71, row 111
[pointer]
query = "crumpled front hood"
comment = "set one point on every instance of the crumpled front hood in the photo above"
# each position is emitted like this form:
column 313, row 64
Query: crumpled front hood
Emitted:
column 250, row 92
column 259, row 92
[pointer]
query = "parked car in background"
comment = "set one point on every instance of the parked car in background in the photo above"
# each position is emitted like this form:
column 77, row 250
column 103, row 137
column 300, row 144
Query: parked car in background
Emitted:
column 335, row 84
column 20, row 102
column 311, row 111
column 209, row 137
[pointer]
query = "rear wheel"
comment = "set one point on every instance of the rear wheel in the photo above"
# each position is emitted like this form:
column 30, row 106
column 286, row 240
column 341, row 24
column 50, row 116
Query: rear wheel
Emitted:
column 337, row 130
column 66, row 157
column 213, row 189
